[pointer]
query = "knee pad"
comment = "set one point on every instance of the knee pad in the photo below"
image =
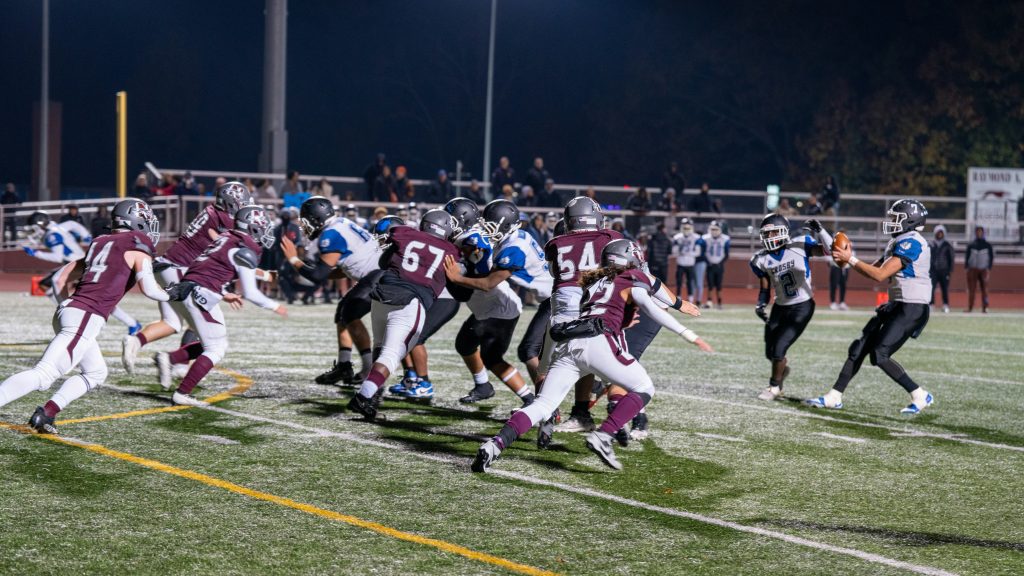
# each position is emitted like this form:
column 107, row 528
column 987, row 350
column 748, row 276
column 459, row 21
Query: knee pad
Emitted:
column 466, row 341
column 524, row 352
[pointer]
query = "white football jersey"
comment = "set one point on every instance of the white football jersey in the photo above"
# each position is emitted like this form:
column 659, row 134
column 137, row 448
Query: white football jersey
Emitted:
column 717, row 248
column 687, row 248
column 81, row 233
column 360, row 252
column 912, row 283
column 788, row 270
column 520, row 254
column 62, row 245
column 499, row 302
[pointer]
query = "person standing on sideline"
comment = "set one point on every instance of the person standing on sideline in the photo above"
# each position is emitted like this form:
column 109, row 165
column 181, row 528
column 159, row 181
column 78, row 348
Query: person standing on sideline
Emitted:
column 10, row 199
column 837, row 277
column 688, row 248
column 658, row 249
column 978, row 263
column 942, row 265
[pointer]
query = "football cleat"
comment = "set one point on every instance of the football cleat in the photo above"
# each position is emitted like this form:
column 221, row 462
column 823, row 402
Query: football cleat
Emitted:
column 577, row 423
column 182, row 399
column 485, row 456
column 545, row 432
column 478, row 393
column 163, row 367
column 130, row 347
column 915, row 408
column 600, row 443
column 833, row 306
column 399, row 388
column 366, row 406
column 341, row 371
column 421, row 389
column 638, row 431
column 178, row 371
column 843, row 306
column 133, row 330
column 825, row 401
column 42, row 423
column 622, row 437
column 770, row 393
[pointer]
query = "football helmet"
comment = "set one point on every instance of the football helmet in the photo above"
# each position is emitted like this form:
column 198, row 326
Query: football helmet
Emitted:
column 315, row 214
column 774, row 232
column 134, row 214
column 500, row 219
column 440, row 223
column 232, row 197
column 254, row 221
column 582, row 213
column 559, row 229
column 905, row 215
column 686, row 225
column 715, row 229
column 383, row 226
column 38, row 221
column 622, row 252
column 465, row 211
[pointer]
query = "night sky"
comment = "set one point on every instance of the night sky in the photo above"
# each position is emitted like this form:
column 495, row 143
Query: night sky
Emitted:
column 606, row 92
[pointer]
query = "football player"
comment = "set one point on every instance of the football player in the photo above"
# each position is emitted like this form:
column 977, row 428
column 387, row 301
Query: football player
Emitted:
column 688, row 248
column 234, row 255
column 170, row 268
column 716, row 253
column 348, row 247
column 413, row 278
column 115, row 262
column 594, row 344
column 784, row 265
column 905, row 263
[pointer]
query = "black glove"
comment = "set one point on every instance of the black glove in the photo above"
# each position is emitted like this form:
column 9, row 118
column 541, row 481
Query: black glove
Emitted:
column 761, row 313
column 181, row 290
column 813, row 225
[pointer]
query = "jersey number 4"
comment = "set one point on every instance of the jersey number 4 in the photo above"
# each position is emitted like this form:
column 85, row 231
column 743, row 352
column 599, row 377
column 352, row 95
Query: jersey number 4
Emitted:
column 567, row 268
column 98, row 263
column 411, row 257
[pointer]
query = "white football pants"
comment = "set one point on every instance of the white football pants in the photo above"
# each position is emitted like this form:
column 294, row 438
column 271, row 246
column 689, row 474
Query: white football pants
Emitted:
column 396, row 329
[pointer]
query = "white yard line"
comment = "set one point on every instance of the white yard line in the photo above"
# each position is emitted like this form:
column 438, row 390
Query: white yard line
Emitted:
column 860, row 554
column 719, row 437
column 843, row 438
column 219, row 439
column 794, row 413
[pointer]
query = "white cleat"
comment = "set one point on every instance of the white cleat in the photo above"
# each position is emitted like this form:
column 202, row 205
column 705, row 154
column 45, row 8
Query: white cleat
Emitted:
column 924, row 400
column 178, row 371
column 130, row 347
column 600, row 443
column 833, row 306
column 831, row 399
column 163, row 367
column 843, row 306
column 770, row 393
column 188, row 400
column 577, row 424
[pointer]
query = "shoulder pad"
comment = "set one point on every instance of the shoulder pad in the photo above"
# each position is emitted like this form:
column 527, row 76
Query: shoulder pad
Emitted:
column 142, row 244
column 246, row 258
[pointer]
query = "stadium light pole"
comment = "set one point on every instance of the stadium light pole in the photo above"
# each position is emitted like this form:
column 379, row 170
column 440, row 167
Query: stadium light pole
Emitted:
column 44, row 110
column 490, row 95
column 274, row 151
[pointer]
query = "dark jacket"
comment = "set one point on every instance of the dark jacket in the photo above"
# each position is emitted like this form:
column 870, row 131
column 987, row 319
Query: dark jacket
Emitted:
column 658, row 249
column 979, row 255
column 10, row 198
column 499, row 178
column 942, row 257
column 701, row 202
column 383, row 188
column 370, row 177
column 638, row 203
column 673, row 180
column 535, row 179
column 439, row 192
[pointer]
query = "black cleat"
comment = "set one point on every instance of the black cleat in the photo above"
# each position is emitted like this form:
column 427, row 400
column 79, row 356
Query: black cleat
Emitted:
column 622, row 437
column 485, row 456
column 42, row 423
column 545, row 432
column 366, row 406
column 341, row 371
column 639, row 431
column 478, row 393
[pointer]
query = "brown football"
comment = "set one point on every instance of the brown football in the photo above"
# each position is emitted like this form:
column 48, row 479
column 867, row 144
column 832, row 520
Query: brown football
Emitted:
column 841, row 240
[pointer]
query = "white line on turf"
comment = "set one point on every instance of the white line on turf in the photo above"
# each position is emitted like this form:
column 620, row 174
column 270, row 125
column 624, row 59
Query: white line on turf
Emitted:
column 844, row 438
column 719, row 437
column 218, row 439
column 866, row 556
column 907, row 431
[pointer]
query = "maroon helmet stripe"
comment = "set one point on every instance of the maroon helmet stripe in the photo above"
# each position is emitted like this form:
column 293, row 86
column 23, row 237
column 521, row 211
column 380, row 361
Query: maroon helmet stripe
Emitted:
column 78, row 334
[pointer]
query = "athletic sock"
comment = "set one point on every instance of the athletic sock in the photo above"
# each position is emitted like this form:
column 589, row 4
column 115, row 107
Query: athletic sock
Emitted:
column 526, row 394
column 623, row 413
column 344, row 355
column 186, row 353
column 516, row 426
column 72, row 389
column 199, row 369
column 51, row 408
column 581, row 409
column 142, row 339
column 366, row 356
column 373, row 381
column 480, row 377
column 421, row 377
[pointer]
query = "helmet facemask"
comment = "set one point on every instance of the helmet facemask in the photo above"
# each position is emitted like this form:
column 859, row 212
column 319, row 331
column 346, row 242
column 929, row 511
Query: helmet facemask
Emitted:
column 774, row 237
column 894, row 223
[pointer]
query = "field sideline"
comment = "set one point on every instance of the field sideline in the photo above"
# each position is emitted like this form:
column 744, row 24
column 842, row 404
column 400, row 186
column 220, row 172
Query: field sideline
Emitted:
column 277, row 477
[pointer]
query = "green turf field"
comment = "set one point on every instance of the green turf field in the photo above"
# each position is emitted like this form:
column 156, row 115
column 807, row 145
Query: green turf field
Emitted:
column 282, row 480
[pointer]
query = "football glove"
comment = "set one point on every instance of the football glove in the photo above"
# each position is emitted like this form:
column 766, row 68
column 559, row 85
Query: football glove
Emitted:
column 761, row 313
column 28, row 250
column 813, row 225
column 181, row 290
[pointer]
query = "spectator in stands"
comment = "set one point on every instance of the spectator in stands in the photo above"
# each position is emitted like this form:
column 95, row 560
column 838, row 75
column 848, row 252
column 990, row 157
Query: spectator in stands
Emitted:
column 503, row 174
column 785, row 209
column 659, row 246
column 589, row 193
column 673, row 178
column 250, row 185
column 266, row 192
column 527, row 197
column 73, row 216
column 201, row 189
column 830, row 196
column 372, row 172
column 942, row 265
column 384, row 186
column 441, row 189
column 10, row 200
column 220, row 181
column 403, row 186
column 552, row 219
column 170, row 182
column 474, row 193
column 701, row 203
column 378, row 213
column 619, row 225
column 978, row 262
column 509, row 193
column 812, row 208
column 100, row 223
column 668, row 201
column 323, row 188
column 141, row 189
column 639, row 202
column 187, row 186
column 537, row 176
column 547, row 196
column 292, row 184
column 538, row 229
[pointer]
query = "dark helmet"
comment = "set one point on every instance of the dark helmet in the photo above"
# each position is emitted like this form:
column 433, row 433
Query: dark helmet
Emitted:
column 465, row 211
column 134, row 214
column 255, row 221
column 440, row 223
column 501, row 218
column 686, row 225
column 559, row 227
column 582, row 213
column 232, row 197
column 774, row 232
column 38, row 220
column 383, row 226
column 315, row 214
column 622, row 252
column 905, row 215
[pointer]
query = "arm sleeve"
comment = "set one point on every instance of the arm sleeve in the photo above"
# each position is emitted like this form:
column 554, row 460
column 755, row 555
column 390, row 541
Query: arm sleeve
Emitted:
column 247, row 278
column 50, row 256
column 316, row 273
column 148, row 283
column 651, row 308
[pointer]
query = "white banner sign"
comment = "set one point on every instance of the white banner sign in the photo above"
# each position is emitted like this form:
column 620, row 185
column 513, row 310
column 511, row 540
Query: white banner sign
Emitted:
column 993, row 195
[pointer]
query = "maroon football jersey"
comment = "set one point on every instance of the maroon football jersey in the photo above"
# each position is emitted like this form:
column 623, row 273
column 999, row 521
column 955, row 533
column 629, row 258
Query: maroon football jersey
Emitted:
column 418, row 257
column 571, row 253
column 604, row 299
column 213, row 269
column 196, row 237
column 107, row 276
